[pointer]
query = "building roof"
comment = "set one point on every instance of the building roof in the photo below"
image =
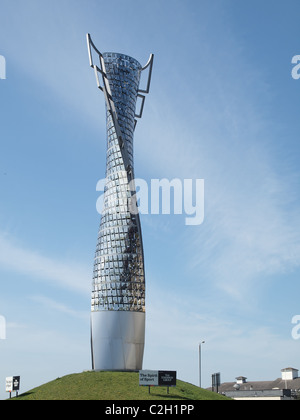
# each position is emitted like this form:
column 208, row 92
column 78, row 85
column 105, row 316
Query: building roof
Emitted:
column 261, row 385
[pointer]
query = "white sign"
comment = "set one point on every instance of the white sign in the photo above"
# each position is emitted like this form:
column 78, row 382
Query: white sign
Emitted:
column 148, row 378
column 9, row 384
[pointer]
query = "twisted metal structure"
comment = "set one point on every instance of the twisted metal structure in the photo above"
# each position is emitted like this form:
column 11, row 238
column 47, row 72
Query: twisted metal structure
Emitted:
column 118, row 296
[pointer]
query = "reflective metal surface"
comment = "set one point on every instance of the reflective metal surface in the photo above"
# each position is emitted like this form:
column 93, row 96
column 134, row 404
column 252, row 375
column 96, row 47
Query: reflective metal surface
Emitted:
column 117, row 340
column 119, row 279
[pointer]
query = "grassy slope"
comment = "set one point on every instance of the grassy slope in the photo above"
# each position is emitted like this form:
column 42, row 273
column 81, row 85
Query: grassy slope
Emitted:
column 113, row 386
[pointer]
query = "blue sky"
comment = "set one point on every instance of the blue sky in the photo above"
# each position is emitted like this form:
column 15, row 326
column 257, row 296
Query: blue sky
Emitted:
column 223, row 107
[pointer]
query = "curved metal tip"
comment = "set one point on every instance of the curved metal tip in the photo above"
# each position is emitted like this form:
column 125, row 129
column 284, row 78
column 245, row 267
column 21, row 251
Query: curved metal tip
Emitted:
column 150, row 62
column 150, row 65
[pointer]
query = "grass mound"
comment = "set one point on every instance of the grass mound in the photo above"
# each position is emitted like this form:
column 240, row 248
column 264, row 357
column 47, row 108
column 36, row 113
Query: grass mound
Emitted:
column 113, row 386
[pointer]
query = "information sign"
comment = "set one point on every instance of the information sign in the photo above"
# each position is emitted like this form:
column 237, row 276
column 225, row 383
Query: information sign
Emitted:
column 157, row 378
column 12, row 383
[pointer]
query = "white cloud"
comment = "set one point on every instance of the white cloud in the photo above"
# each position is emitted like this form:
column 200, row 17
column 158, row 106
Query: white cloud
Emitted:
column 68, row 275
column 223, row 135
column 53, row 53
column 59, row 307
column 250, row 232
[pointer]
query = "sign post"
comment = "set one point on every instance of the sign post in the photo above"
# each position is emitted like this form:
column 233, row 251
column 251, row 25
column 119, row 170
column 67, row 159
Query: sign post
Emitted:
column 216, row 381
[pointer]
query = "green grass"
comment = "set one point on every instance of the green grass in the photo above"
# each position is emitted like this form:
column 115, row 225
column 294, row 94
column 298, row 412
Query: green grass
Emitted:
column 113, row 386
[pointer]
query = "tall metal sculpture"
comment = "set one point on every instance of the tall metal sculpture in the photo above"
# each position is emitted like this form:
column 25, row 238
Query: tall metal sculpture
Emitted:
column 118, row 296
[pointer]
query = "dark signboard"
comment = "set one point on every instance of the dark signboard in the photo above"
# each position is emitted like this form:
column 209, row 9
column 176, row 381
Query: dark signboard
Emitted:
column 166, row 378
column 216, row 381
column 16, row 383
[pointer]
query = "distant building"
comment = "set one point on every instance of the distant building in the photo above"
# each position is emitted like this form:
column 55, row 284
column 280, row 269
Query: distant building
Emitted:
column 285, row 388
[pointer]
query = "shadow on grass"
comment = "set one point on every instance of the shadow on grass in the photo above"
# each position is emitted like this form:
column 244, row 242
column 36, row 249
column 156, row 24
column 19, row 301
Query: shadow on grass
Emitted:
column 168, row 396
column 26, row 394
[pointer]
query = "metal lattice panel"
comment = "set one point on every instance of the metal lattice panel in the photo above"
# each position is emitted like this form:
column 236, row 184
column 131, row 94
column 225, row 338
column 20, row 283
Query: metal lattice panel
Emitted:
column 119, row 279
